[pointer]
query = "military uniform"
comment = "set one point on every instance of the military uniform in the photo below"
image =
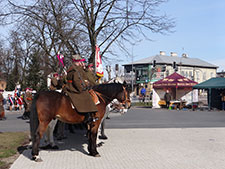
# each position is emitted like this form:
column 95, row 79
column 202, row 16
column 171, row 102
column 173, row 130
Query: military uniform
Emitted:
column 92, row 79
column 77, row 89
column 2, row 111
column 27, row 104
column 54, row 82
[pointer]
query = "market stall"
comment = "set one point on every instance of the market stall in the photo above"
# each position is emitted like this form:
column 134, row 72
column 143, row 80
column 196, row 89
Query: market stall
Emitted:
column 179, row 87
column 214, row 87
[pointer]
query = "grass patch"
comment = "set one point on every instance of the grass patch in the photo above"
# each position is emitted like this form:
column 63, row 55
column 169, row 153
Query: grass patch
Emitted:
column 9, row 142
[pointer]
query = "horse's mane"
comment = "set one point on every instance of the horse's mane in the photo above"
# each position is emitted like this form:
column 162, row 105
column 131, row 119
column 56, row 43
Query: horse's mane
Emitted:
column 109, row 89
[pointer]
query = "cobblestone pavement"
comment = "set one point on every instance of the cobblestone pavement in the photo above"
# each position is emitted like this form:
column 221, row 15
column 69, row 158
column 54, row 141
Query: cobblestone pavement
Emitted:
column 170, row 148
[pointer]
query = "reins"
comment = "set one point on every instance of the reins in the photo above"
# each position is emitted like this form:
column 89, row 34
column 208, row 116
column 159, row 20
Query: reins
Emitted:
column 102, row 96
column 125, row 95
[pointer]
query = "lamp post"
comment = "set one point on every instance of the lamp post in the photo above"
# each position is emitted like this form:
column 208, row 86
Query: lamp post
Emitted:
column 132, row 67
column 108, row 69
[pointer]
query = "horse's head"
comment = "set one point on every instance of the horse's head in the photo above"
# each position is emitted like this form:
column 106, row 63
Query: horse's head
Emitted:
column 117, row 91
column 124, row 96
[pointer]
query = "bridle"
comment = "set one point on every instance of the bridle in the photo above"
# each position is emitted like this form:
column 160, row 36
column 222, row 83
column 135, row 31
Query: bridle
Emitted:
column 126, row 101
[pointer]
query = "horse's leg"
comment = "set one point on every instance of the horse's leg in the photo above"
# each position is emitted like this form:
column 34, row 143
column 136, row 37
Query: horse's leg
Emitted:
column 92, row 138
column 102, row 132
column 49, row 138
column 36, row 140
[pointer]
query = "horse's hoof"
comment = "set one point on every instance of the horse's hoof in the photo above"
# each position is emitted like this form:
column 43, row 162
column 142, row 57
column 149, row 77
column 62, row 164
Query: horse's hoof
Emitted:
column 97, row 155
column 37, row 159
column 94, row 154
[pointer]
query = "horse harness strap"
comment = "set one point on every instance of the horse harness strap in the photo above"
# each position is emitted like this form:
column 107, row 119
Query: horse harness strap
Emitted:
column 125, row 96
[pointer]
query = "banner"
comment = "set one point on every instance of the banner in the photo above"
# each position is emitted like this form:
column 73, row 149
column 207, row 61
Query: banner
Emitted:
column 98, row 62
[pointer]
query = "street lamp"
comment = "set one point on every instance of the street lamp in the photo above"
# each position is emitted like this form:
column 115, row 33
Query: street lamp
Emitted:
column 108, row 69
column 132, row 66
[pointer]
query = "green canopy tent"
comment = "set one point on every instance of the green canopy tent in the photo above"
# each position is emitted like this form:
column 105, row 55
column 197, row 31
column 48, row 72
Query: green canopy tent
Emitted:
column 214, row 86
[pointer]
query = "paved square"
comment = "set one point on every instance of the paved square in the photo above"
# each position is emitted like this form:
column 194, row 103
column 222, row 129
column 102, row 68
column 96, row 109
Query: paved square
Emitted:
column 171, row 148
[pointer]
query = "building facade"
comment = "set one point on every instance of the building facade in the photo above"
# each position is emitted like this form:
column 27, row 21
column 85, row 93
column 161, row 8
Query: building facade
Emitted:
column 151, row 69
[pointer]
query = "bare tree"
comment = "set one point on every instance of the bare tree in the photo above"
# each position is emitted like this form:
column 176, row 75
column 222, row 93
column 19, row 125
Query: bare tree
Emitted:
column 76, row 26
column 117, row 21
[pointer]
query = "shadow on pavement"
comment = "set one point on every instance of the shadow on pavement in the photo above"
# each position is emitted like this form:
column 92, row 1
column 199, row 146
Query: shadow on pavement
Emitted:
column 73, row 142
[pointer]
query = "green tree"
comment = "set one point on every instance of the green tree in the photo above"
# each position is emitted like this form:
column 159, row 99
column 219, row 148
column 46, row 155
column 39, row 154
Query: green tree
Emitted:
column 33, row 73
column 13, row 77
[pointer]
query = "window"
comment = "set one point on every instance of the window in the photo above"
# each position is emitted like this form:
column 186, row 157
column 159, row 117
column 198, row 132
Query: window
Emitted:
column 182, row 73
column 190, row 75
column 211, row 74
column 197, row 76
column 204, row 76
column 186, row 74
column 142, row 73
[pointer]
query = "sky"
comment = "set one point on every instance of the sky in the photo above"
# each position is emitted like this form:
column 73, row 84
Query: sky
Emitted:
column 199, row 32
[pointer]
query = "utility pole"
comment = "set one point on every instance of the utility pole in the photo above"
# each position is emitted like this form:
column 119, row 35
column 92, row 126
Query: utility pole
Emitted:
column 132, row 71
column 117, row 69
column 108, row 69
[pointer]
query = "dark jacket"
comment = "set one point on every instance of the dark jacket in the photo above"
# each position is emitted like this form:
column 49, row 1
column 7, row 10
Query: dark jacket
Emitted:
column 77, row 89
column 28, row 101
column 167, row 97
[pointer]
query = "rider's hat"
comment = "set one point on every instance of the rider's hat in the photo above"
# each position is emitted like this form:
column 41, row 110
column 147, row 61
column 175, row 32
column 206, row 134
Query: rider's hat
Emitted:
column 28, row 89
column 55, row 74
column 90, row 65
column 78, row 58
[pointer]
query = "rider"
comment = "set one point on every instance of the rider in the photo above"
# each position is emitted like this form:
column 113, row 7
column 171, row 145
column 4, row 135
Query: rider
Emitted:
column 56, row 125
column 27, row 103
column 77, row 87
column 54, row 81
column 92, row 78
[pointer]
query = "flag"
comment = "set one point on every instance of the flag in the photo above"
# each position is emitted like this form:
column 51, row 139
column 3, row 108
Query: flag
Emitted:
column 60, row 58
column 98, row 62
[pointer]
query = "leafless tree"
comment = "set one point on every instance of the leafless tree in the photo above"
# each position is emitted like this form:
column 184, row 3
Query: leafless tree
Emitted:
column 76, row 26
column 109, row 22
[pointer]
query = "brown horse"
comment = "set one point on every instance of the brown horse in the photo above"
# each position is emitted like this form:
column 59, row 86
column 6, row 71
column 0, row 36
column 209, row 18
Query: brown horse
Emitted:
column 48, row 105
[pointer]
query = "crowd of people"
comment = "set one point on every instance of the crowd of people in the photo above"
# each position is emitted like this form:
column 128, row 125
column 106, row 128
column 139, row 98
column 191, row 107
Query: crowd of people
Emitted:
column 17, row 101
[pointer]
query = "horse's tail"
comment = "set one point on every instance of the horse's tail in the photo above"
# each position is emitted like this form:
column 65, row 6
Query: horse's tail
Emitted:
column 34, row 122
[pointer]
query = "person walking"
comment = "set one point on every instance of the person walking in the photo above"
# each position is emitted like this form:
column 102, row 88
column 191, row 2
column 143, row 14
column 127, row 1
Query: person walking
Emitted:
column 167, row 98
column 19, row 101
column 11, row 101
column 2, row 111
column 143, row 93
